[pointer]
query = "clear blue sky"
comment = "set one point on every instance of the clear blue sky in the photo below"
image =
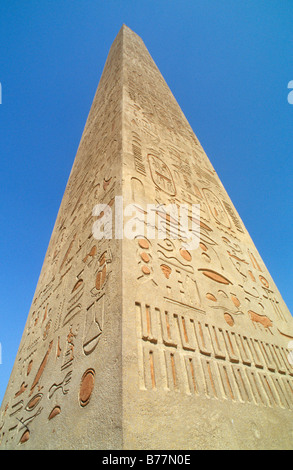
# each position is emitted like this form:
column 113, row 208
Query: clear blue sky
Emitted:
column 228, row 64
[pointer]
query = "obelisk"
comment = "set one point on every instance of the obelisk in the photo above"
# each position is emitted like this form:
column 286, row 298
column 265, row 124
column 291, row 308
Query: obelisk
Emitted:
column 145, row 341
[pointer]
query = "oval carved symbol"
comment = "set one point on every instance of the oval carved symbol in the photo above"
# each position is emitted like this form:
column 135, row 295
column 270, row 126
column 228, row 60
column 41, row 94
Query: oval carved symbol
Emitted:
column 229, row 319
column 216, row 207
column 86, row 387
column 264, row 281
column 34, row 402
column 161, row 175
column 215, row 276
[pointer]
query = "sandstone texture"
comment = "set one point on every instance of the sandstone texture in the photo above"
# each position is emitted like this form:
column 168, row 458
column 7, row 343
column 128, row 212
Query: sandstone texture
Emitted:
column 143, row 343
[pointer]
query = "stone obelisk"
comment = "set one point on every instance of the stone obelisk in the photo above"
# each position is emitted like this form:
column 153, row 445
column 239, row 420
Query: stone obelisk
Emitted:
column 143, row 343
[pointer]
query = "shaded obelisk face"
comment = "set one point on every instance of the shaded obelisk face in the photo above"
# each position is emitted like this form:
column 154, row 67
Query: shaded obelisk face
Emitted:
column 154, row 325
column 207, row 327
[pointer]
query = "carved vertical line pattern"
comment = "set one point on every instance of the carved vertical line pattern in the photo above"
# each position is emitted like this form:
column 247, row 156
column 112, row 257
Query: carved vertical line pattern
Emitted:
column 184, row 329
column 167, row 326
column 152, row 369
column 242, row 387
column 268, row 361
column 267, row 388
column 173, row 370
column 280, row 393
column 219, row 353
column 222, row 378
column 192, row 373
column 258, row 395
column 211, row 378
column 289, row 390
column 228, row 383
column 243, row 350
column 148, row 319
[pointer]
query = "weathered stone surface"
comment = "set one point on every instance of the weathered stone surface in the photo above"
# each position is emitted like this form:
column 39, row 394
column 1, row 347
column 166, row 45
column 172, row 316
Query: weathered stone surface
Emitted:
column 144, row 344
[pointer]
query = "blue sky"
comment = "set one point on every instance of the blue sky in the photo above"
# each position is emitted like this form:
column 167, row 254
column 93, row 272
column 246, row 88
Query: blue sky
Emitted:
column 228, row 64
